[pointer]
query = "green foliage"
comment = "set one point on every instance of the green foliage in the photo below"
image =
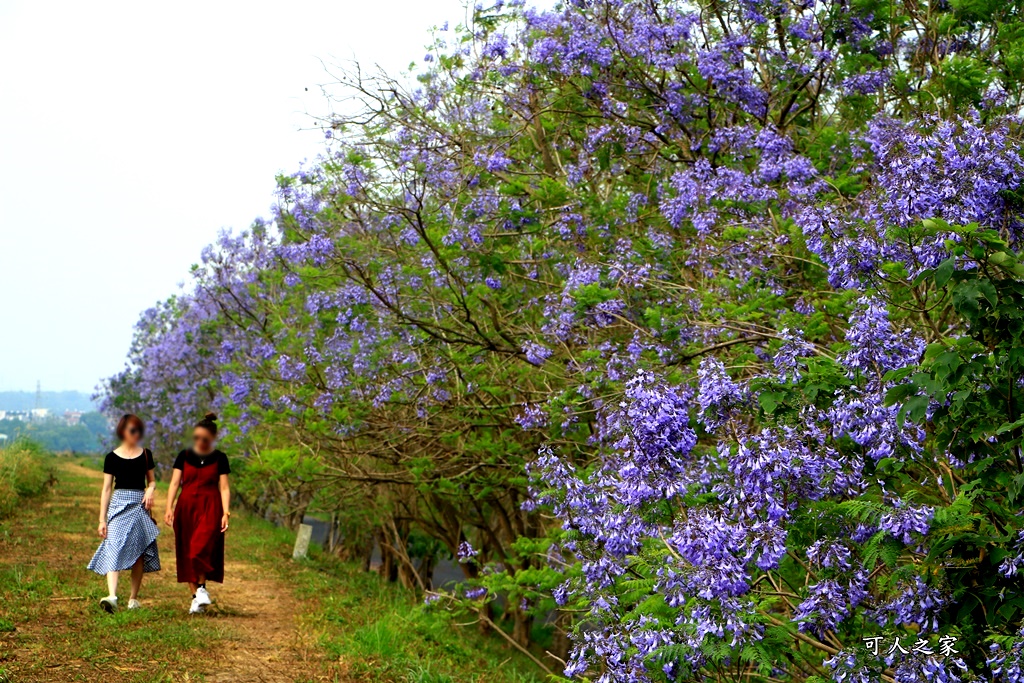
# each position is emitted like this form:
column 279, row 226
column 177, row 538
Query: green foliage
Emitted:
column 24, row 472
column 969, row 390
column 277, row 482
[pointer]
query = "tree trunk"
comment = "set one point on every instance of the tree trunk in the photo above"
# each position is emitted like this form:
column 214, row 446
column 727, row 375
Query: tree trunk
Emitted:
column 387, row 569
column 426, row 570
column 406, row 575
column 332, row 533
column 522, row 625
column 369, row 543
column 486, row 618
column 560, row 642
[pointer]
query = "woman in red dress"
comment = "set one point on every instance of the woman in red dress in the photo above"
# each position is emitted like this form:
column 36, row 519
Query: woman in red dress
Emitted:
column 201, row 516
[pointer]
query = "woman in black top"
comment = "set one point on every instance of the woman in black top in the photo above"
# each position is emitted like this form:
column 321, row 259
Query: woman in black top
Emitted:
column 126, row 526
column 202, row 513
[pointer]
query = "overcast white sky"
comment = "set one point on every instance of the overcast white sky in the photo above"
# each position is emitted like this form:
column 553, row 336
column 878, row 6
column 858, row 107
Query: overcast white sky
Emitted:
column 131, row 132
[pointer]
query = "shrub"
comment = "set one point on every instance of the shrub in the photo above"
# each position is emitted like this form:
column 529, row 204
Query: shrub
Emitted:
column 24, row 472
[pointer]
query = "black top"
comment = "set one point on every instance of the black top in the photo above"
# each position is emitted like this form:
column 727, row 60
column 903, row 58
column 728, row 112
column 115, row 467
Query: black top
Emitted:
column 196, row 460
column 129, row 473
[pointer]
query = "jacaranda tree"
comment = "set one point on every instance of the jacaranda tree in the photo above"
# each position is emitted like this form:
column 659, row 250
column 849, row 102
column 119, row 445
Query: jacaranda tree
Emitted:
column 693, row 328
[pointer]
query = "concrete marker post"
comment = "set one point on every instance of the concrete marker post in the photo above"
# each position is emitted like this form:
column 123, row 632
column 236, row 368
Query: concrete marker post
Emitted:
column 302, row 540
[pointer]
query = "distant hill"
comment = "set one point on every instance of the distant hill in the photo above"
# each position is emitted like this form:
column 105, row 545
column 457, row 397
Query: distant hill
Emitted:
column 56, row 401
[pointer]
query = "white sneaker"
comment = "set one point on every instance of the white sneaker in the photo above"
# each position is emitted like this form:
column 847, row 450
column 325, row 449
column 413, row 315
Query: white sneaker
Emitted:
column 109, row 603
column 203, row 597
column 197, row 607
column 134, row 604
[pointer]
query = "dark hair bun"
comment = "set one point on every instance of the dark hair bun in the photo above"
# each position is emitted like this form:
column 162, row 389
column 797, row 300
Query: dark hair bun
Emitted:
column 209, row 423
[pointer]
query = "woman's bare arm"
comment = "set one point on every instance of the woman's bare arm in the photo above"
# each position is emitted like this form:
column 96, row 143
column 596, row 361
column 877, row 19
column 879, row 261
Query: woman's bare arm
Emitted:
column 105, row 493
column 150, row 496
column 172, row 491
column 225, row 499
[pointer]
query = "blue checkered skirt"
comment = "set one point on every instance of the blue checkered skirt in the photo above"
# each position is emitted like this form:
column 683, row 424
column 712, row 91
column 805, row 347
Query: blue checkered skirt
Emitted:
column 131, row 534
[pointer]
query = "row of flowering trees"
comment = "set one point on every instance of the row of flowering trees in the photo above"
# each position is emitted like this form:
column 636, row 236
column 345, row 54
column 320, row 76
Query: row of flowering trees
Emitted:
column 694, row 330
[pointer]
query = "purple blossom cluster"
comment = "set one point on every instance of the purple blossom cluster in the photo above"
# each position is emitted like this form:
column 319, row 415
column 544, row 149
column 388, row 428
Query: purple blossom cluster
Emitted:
column 1006, row 661
column 914, row 603
column 717, row 394
column 959, row 171
column 905, row 520
column 1013, row 562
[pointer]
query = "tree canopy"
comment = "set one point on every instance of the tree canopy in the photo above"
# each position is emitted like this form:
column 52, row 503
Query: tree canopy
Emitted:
column 697, row 323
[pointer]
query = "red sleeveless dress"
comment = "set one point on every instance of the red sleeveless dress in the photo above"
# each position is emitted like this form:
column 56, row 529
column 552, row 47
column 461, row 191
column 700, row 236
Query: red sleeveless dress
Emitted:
column 198, row 540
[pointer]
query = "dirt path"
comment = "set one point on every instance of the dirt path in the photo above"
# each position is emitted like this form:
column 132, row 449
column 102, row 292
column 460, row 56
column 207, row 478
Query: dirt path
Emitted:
column 254, row 622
